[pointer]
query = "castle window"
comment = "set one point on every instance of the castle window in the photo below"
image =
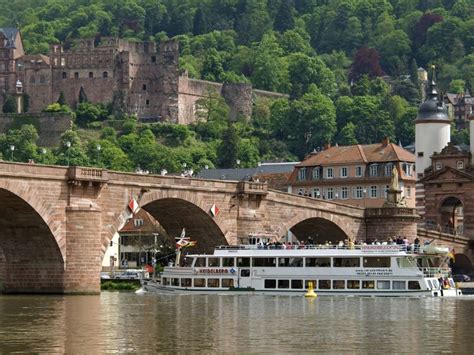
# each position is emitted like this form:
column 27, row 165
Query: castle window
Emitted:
column 330, row 193
column 32, row 79
column 105, row 74
column 373, row 191
column 343, row 172
column 64, row 75
column 344, row 193
column 42, row 79
column 420, row 154
column 76, row 75
column 460, row 165
column 316, row 192
column 147, row 102
column 153, row 58
column 91, row 74
column 144, row 86
column 63, row 62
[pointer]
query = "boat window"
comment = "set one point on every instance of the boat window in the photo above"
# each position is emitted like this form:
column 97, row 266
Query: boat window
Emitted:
column 200, row 262
column 346, row 262
column 324, row 284
column 399, row 285
column 368, row 285
column 296, row 283
column 185, row 282
column 414, row 285
column 383, row 285
column 213, row 262
column 306, row 283
column 264, row 262
column 376, row 261
column 353, row 284
column 243, row 262
column 175, row 282
column 165, row 281
column 318, row 262
column 199, row 282
column 338, row 284
column 212, row 282
column 270, row 284
column 283, row 283
column 245, row 273
column 406, row 262
column 435, row 283
column 430, row 285
column 228, row 262
column 227, row 282
column 290, row 262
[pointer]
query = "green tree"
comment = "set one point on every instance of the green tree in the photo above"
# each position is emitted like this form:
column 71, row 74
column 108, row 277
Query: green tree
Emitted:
column 284, row 19
column 82, row 96
column 229, row 148
column 200, row 23
column 9, row 106
column 347, row 136
column 24, row 142
column 61, row 99
column 457, row 86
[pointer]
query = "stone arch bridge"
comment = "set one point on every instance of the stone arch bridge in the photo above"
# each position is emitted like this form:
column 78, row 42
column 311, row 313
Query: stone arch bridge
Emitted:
column 56, row 222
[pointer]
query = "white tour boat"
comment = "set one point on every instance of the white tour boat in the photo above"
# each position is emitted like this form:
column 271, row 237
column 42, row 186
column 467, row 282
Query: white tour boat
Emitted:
column 366, row 270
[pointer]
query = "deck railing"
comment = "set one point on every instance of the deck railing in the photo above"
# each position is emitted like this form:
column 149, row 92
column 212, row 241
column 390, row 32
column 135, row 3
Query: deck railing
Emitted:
column 414, row 248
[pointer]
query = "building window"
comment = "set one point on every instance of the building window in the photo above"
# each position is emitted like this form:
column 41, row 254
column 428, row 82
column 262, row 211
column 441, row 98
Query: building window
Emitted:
column 137, row 223
column 388, row 169
column 63, row 62
column 330, row 193
column 144, row 86
column 316, row 174
column 147, row 102
column 408, row 191
column 302, row 174
column 373, row 191
column 358, row 171
column 420, row 154
column 439, row 165
column 343, row 172
column 408, row 169
column 91, row 74
column 42, row 79
column 32, row 79
column 358, row 192
column 76, row 75
column 105, row 74
column 329, row 173
column 460, row 164
column 344, row 193
column 373, row 170
column 316, row 192
column 64, row 75
column 385, row 191
column 153, row 58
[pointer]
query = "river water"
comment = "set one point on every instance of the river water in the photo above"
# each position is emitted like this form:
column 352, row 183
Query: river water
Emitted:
column 119, row 322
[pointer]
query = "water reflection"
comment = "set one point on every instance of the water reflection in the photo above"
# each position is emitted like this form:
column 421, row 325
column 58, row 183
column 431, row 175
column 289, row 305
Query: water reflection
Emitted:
column 125, row 322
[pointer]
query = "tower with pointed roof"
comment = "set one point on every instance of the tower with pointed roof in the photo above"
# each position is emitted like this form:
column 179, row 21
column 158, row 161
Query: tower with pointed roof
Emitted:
column 432, row 128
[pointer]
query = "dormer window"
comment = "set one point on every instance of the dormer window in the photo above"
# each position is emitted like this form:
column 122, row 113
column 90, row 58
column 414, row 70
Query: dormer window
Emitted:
column 329, row 173
column 373, row 170
column 388, row 169
column 302, row 174
column 460, row 165
column 408, row 168
column 438, row 165
column 316, row 174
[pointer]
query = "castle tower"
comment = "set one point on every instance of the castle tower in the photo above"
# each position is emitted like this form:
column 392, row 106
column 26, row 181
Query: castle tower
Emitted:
column 432, row 128
column 432, row 134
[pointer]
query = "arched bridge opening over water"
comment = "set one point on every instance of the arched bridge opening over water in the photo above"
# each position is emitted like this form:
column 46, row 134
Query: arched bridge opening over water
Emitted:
column 57, row 222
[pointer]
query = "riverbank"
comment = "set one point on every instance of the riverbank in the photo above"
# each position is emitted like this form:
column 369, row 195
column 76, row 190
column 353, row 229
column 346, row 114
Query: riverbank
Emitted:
column 119, row 285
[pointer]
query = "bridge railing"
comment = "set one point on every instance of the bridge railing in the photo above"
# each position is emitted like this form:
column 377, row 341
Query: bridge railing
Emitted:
column 78, row 173
column 252, row 187
column 428, row 225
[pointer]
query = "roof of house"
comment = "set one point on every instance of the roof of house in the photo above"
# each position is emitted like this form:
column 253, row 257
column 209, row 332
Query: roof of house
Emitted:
column 370, row 153
column 244, row 173
column 10, row 34
column 149, row 224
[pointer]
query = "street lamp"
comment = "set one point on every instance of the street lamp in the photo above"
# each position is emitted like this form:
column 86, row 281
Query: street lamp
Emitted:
column 68, row 145
column 12, row 148
column 98, row 147
column 238, row 166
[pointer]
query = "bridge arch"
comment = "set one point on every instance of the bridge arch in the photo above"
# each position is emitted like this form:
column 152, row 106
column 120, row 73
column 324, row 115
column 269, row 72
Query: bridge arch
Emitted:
column 451, row 215
column 180, row 209
column 31, row 259
column 321, row 226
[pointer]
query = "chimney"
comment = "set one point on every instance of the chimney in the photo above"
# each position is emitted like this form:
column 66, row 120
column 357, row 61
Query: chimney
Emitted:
column 385, row 141
column 327, row 146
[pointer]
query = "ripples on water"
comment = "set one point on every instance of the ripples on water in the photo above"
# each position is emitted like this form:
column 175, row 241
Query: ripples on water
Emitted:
column 129, row 323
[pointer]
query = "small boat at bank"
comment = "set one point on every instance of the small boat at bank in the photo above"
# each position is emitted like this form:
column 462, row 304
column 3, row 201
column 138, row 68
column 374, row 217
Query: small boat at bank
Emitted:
column 364, row 270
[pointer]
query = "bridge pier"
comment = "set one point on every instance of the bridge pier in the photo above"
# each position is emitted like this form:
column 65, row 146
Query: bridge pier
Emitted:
column 83, row 250
column 387, row 222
